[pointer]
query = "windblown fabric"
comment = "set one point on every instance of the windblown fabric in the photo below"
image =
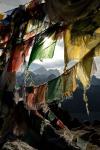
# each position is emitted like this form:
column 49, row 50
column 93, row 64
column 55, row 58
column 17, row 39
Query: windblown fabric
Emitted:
column 8, row 81
column 83, row 49
column 70, row 10
column 44, row 43
column 30, row 20
column 36, row 96
column 2, row 16
column 69, row 82
column 4, row 34
column 30, row 26
column 84, row 69
column 18, row 55
column 33, row 28
column 63, row 85
column 55, row 89
column 43, row 48
column 77, row 48
column 97, row 50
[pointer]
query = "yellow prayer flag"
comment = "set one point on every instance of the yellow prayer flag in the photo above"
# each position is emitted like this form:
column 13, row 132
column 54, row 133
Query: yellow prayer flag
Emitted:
column 77, row 48
column 2, row 16
column 84, row 70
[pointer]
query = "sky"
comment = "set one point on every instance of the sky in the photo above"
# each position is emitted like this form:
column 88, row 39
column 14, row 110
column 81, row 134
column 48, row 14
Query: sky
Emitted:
column 6, row 5
column 97, row 74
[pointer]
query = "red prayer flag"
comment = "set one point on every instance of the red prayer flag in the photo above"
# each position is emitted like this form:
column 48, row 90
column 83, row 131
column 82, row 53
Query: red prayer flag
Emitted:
column 17, row 56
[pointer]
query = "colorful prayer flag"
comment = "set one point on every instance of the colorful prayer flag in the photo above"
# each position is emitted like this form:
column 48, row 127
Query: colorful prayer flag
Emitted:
column 18, row 54
column 43, row 48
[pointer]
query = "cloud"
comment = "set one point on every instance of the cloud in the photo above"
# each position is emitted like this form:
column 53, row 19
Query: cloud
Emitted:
column 97, row 60
column 6, row 5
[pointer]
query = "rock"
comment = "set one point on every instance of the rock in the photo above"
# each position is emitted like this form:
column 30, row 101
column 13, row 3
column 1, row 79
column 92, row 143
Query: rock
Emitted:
column 95, row 139
column 86, row 123
column 92, row 147
column 75, row 123
column 96, row 123
column 57, row 141
column 17, row 145
column 86, row 136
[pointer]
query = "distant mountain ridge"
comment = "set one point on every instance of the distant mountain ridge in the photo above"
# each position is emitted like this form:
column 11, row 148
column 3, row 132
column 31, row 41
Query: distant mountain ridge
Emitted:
column 39, row 76
column 95, row 81
column 76, row 105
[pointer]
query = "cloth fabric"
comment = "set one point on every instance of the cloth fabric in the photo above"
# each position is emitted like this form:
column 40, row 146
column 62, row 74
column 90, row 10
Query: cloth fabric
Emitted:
column 80, row 46
column 18, row 54
column 55, row 90
column 43, row 48
column 83, row 49
column 62, row 86
column 16, row 59
column 2, row 16
column 69, row 10
column 8, row 81
column 36, row 97
column 69, row 82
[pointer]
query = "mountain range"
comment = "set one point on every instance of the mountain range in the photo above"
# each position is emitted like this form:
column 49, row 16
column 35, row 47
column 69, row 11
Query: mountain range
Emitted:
column 39, row 76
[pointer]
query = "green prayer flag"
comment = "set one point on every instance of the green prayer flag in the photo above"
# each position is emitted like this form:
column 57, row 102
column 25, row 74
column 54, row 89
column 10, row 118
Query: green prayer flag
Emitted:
column 55, row 90
column 62, row 86
column 44, row 44
column 51, row 116
column 43, row 48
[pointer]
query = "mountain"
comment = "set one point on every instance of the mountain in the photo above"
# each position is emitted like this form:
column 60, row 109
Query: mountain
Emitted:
column 95, row 81
column 39, row 76
column 35, row 66
column 40, row 70
column 76, row 105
